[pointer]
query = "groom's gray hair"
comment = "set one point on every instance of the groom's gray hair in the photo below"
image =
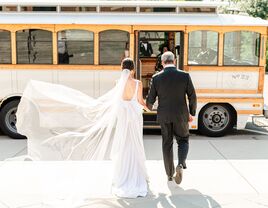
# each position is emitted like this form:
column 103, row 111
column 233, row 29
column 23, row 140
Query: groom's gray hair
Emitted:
column 168, row 57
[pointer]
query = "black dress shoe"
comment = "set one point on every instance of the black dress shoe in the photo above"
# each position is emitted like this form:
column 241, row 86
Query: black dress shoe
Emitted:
column 170, row 178
column 178, row 177
column 184, row 165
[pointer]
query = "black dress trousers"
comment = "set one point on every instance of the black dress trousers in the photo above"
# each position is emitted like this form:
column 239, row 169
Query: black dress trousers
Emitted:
column 181, row 132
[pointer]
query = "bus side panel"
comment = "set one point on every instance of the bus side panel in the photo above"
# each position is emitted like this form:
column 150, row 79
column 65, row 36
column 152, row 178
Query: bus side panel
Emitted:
column 107, row 80
column 220, row 80
column 23, row 76
column 82, row 80
column 201, row 81
column 92, row 82
column 240, row 80
column 242, row 120
column 5, row 83
column 245, row 110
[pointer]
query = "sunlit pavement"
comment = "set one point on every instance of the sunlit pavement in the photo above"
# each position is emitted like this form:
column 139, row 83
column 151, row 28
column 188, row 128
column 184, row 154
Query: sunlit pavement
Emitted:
column 224, row 172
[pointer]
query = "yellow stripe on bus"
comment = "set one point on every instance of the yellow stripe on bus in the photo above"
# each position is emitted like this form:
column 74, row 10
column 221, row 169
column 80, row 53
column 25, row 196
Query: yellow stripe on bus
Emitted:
column 254, row 112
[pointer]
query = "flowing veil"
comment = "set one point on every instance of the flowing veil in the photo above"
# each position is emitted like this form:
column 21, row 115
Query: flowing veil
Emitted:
column 64, row 124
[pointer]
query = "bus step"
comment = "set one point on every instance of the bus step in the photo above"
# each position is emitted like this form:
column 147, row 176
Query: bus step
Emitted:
column 260, row 121
column 151, row 126
column 150, row 122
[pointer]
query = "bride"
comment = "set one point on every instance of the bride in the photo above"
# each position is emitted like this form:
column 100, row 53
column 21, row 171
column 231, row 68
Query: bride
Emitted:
column 64, row 124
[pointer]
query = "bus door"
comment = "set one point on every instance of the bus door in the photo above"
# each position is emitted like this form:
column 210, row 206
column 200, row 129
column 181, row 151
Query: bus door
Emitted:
column 149, row 46
column 137, row 56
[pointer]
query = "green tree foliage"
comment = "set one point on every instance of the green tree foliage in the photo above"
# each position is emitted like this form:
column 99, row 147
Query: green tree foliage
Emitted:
column 258, row 8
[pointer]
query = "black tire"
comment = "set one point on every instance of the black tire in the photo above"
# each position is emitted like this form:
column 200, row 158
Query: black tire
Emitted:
column 8, row 120
column 215, row 120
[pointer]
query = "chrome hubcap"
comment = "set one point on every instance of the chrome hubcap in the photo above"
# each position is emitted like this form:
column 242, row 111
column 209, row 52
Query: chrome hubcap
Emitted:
column 216, row 118
column 11, row 120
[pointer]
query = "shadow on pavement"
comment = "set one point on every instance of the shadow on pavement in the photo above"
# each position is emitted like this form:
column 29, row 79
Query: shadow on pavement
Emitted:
column 190, row 198
column 178, row 197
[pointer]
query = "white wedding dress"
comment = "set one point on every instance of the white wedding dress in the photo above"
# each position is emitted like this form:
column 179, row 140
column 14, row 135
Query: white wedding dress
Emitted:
column 64, row 124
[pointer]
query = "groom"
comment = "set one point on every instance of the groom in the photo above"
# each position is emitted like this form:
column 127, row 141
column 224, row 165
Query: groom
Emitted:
column 171, row 87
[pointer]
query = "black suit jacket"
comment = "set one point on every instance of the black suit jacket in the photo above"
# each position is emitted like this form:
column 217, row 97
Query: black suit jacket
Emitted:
column 171, row 87
column 146, row 52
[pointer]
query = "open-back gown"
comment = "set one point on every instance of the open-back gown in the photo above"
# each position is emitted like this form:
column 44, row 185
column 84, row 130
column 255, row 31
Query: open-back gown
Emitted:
column 64, row 124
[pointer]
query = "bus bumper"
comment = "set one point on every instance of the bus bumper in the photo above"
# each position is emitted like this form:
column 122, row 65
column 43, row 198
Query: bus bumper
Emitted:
column 261, row 120
column 265, row 111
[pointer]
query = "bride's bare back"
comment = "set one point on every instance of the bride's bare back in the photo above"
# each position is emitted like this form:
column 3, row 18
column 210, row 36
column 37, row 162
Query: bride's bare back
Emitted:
column 129, row 90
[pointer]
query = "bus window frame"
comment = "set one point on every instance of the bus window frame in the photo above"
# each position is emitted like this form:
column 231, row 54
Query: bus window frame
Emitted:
column 218, row 49
column 130, row 29
column 10, row 47
column 259, row 57
column 129, row 33
column 57, row 40
column 52, row 48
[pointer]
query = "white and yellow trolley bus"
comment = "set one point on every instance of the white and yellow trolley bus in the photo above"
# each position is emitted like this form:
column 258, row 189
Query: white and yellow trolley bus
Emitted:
column 80, row 43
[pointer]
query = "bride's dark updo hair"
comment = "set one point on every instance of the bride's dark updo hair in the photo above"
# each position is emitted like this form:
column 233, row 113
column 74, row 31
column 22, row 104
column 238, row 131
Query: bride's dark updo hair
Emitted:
column 128, row 63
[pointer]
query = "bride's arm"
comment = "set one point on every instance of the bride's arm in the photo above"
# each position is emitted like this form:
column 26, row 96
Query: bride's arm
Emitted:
column 140, row 97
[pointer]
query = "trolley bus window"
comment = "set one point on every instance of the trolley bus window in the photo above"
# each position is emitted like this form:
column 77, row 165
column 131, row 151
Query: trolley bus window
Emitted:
column 203, row 48
column 8, row 8
column 75, row 47
column 198, row 9
column 158, row 9
column 38, row 9
column 5, row 47
column 151, row 43
column 113, row 44
column 118, row 9
column 241, row 48
column 77, row 9
column 34, row 46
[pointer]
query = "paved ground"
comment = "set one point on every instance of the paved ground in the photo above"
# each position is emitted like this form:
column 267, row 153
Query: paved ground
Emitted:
column 228, row 172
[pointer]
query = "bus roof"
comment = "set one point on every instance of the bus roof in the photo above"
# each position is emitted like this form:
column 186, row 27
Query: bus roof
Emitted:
column 131, row 19
column 109, row 3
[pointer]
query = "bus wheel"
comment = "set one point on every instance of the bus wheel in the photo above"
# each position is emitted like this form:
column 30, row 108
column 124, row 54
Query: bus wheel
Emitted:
column 8, row 120
column 215, row 120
